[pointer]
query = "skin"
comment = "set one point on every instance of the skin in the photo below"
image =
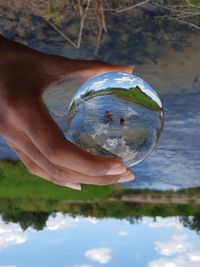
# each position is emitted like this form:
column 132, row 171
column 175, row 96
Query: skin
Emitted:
column 28, row 128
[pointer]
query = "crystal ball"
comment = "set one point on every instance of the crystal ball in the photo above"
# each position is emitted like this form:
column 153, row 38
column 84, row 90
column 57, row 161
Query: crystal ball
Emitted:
column 116, row 115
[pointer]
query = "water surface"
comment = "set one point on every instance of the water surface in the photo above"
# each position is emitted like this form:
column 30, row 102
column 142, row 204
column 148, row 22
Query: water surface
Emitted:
column 109, row 242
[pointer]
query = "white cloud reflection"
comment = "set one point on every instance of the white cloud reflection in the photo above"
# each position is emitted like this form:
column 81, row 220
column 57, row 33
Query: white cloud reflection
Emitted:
column 11, row 234
column 177, row 252
column 61, row 221
column 150, row 93
column 100, row 255
column 178, row 244
column 125, row 79
column 163, row 222
column 145, row 88
column 122, row 233
column 181, row 261
column 98, row 85
column 93, row 220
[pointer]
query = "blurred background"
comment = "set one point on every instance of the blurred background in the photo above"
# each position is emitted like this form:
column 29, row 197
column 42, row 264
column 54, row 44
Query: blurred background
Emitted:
column 153, row 221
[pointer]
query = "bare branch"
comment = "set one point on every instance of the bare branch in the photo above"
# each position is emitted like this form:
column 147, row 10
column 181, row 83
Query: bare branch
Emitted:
column 190, row 4
column 186, row 22
column 177, row 10
column 98, row 41
column 187, row 16
column 60, row 32
column 132, row 7
column 100, row 14
column 83, row 14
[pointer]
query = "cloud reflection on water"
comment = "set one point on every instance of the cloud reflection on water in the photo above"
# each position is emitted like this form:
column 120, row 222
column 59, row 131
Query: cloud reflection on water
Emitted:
column 95, row 242
column 184, row 252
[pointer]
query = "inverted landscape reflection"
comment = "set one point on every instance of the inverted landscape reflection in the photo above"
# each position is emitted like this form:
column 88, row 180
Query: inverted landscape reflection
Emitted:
column 118, row 115
column 108, row 242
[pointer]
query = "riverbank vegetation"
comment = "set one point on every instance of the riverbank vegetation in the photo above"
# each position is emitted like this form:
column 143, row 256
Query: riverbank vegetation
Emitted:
column 29, row 200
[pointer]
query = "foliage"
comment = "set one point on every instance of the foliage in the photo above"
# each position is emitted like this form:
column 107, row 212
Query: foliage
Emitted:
column 17, row 182
column 54, row 15
column 29, row 200
column 38, row 211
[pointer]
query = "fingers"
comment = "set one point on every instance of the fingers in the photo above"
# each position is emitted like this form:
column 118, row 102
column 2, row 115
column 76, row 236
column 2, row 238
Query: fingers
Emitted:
column 84, row 69
column 50, row 141
column 106, row 67
column 39, row 165
column 38, row 171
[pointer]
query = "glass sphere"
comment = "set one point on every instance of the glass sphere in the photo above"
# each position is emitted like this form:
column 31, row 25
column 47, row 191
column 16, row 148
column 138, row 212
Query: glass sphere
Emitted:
column 118, row 115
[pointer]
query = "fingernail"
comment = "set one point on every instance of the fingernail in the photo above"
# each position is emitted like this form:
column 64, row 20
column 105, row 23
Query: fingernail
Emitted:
column 127, row 177
column 73, row 186
column 116, row 170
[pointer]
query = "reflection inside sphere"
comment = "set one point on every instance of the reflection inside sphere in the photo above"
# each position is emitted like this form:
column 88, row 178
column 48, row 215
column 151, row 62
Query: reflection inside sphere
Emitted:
column 116, row 114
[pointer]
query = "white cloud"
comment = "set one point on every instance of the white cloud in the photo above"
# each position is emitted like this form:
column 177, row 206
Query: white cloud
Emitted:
column 122, row 233
column 91, row 105
column 119, row 147
column 93, row 220
column 178, row 244
column 164, row 222
column 61, row 221
column 98, row 85
column 101, row 129
column 124, row 73
column 84, row 265
column 100, row 255
column 7, row 265
column 11, row 234
column 182, row 261
column 125, row 79
column 130, row 112
column 194, row 256
column 143, row 86
column 150, row 93
column 181, row 253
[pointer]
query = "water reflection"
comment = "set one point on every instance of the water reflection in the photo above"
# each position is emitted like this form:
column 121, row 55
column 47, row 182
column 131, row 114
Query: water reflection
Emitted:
column 111, row 242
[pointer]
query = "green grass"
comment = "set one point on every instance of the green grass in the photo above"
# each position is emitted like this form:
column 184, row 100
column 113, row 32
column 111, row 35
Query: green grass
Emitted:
column 21, row 190
column 136, row 96
column 29, row 200
column 16, row 182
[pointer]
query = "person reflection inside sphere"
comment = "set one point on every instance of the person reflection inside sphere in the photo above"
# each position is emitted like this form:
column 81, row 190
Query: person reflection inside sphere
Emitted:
column 108, row 116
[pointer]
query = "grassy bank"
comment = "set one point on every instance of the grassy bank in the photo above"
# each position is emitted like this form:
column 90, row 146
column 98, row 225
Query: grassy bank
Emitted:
column 29, row 200
column 136, row 96
column 16, row 182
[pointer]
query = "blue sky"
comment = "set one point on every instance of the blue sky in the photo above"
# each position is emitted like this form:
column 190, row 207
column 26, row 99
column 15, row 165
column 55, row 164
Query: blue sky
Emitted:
column 88, row 242
column 117, row 79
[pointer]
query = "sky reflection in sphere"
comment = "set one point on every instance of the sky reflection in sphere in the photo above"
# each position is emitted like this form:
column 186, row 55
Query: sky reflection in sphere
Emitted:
column 117, row 115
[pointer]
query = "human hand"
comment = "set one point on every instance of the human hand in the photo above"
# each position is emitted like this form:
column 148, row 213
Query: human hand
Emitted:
column 28, row 127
